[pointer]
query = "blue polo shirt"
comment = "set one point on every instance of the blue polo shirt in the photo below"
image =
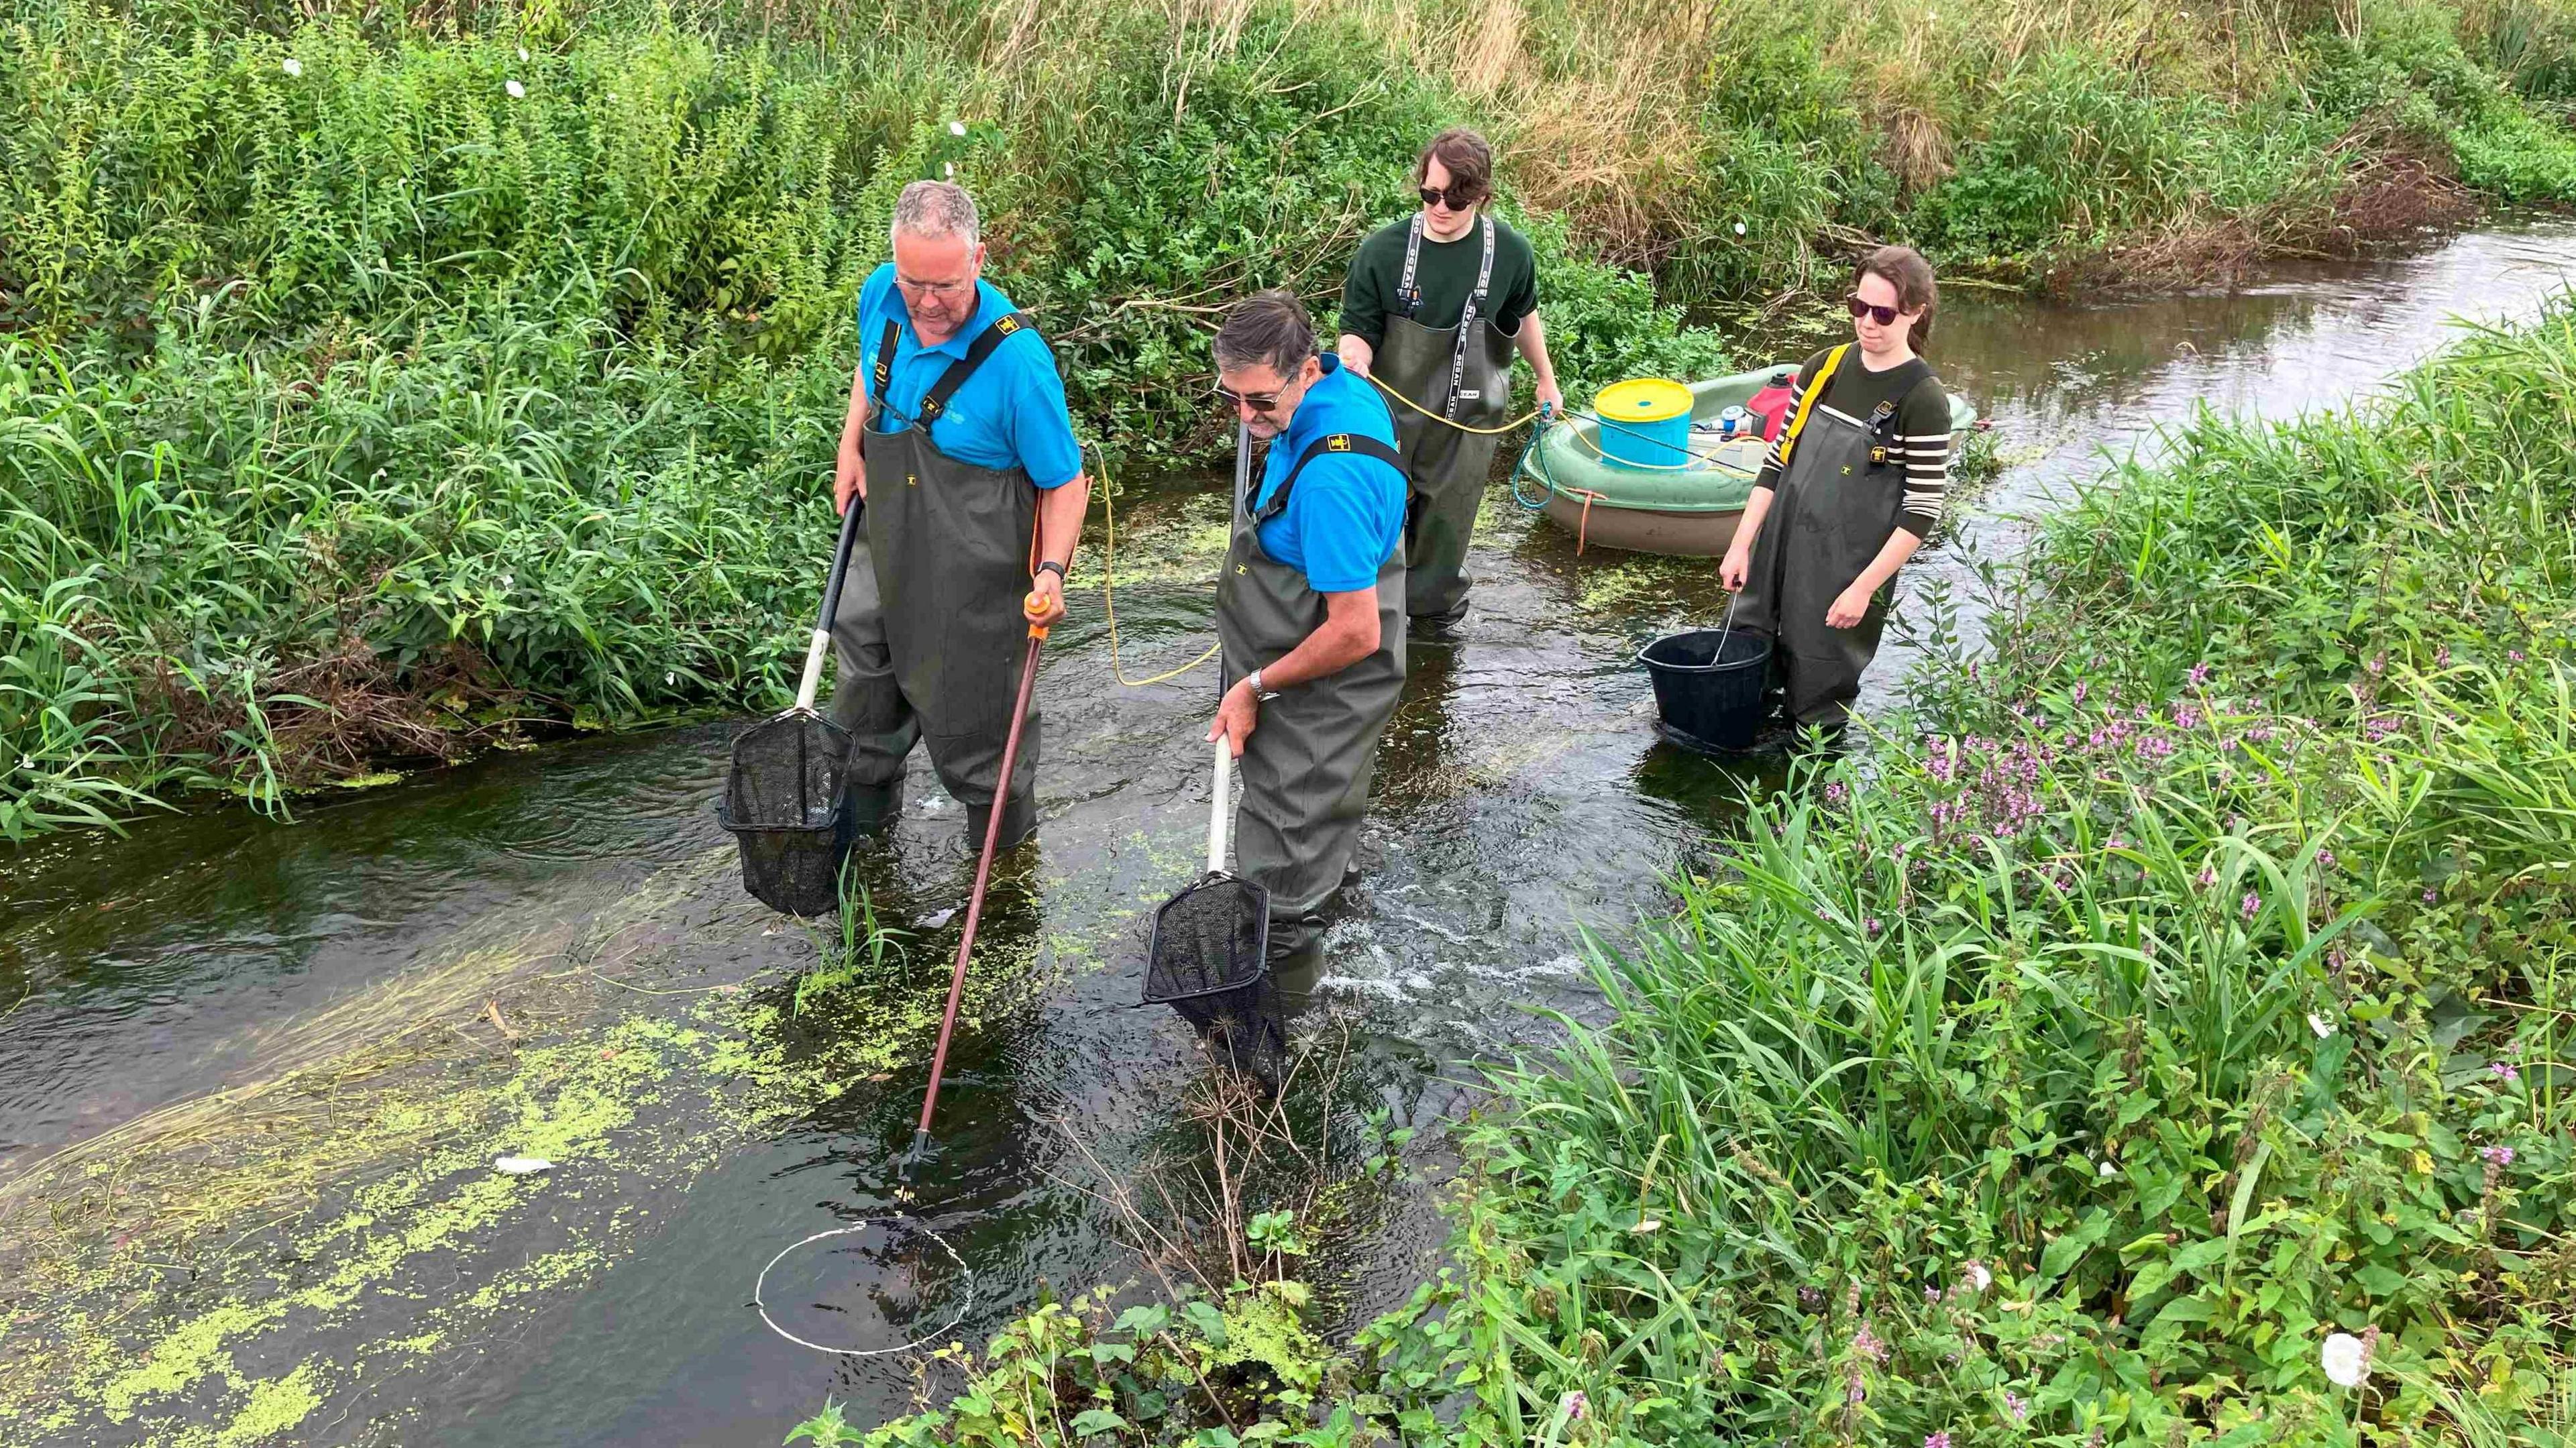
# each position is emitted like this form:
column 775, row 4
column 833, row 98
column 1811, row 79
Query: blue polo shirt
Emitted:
column 1347, row 514
column 1011, row 413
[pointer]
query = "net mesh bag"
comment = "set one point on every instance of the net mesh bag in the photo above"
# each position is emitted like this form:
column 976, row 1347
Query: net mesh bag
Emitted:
column 785, row 808
column 1208, row 958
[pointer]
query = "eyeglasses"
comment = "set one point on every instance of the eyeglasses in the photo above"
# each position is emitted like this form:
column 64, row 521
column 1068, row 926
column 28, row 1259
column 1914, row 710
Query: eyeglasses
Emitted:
column 941, row 290
column 1456, row 198
column 1884, row 316
column 1257, row 401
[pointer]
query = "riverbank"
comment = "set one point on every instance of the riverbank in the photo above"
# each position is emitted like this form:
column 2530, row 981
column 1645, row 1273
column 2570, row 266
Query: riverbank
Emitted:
column 2184, row 982
column 379, row 390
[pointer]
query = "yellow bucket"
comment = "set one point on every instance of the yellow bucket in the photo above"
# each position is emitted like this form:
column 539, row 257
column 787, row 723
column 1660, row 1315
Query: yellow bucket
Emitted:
column 1645, row 422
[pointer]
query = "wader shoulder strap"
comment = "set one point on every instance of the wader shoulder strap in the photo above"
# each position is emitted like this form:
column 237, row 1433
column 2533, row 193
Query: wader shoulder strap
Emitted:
column 883, row 373
column 985, row 345
column 1807, row 396
column 1331, row 442
column 1408, row 290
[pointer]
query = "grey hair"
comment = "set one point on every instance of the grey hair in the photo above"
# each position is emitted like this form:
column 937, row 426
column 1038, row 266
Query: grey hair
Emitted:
column 1269, row 327
column 934, row 209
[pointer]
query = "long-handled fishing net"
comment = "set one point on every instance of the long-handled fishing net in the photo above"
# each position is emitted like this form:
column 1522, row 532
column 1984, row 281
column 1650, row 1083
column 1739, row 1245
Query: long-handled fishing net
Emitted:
column 895, row 1271
column 1208, row 956
column 784, row 801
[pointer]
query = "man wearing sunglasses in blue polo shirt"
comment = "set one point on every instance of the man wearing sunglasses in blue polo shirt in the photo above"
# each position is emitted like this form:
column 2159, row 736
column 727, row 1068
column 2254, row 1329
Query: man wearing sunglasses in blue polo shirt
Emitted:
column 1310, row 607
column 958, row 440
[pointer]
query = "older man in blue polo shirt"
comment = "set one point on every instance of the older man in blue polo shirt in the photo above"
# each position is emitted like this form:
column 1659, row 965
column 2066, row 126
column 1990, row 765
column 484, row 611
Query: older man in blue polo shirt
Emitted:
column 1310, row 607
column 957, row 418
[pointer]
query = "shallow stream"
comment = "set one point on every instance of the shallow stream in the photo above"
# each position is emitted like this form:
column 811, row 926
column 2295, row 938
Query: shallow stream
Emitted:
column 305, row 1043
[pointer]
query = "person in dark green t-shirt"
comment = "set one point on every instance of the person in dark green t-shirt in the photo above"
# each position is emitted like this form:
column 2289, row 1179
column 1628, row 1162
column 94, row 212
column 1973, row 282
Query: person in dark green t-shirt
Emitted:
column 1432, row 310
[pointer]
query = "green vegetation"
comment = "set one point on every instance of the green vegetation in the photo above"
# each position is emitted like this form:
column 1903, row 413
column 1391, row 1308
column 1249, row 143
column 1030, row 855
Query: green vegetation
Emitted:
column 2192, row 981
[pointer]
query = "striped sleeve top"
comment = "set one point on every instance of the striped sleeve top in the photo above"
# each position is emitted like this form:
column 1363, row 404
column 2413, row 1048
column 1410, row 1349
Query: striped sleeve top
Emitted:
column 1919, row 438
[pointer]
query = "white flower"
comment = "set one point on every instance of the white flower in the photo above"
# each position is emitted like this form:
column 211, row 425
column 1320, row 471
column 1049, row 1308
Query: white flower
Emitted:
column 523, row 52
column 517, row 91
column 2108, row 1169
column 956, row 128
column 291, row 66
column 1739, row 228
column 1978, row 1278
column 2320, row 1025
column 670, row 677
column 2345, row 1360
column 948, row 169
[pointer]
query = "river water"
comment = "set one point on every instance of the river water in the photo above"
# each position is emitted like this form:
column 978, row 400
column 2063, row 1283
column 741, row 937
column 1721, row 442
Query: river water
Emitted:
column 585, row 888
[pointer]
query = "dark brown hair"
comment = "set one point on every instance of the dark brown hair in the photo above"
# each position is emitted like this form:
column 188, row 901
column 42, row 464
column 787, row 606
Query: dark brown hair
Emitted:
column 1269, row 327
column 1907, row 271
column 1469, row 159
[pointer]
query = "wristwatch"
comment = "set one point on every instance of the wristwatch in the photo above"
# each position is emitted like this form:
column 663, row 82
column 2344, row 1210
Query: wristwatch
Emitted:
column 1258, row 692
column 1051, row 566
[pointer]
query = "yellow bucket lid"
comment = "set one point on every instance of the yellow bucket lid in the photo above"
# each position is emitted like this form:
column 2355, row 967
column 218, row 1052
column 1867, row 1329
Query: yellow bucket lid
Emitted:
column 1643, row 399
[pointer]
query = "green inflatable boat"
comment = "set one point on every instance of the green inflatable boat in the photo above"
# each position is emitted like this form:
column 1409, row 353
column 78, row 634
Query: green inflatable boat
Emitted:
column 1688, row 509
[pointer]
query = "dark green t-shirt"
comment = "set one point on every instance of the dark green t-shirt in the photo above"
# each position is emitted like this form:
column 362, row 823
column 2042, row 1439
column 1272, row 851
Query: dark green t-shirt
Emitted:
column 1446, row 275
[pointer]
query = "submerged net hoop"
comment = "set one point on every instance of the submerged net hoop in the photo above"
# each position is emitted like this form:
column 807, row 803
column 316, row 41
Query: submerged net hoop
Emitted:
column 760, row 1291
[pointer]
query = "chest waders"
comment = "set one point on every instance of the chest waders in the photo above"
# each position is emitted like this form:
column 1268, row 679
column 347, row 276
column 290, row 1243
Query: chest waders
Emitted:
column 1464, row 374
column 1306, row 770
column 1832, row 512
column 930, row 631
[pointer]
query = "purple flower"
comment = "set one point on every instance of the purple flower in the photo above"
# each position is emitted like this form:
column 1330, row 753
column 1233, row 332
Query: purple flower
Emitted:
column 1868, row 1345
column 2186, row 717
column 2251, row 903
column 2514, row 654
column 1936, row 1440
column 1575, row 1406
column 2199, row 675
column 2326, row 858
column 1870, row 925
column 2430, row 895
column 2208, row 876
column 1931, row 1293
column 2504, row 1071
column 1834, row 793
column 2498, row 1155
column 2078, row 697
column 2020, row 1409
column 1811, row 1298
column 2442, row 657
column 2378, row 665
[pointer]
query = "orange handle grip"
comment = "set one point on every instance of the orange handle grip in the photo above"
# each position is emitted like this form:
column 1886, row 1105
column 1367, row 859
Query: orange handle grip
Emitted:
column 1031, row 604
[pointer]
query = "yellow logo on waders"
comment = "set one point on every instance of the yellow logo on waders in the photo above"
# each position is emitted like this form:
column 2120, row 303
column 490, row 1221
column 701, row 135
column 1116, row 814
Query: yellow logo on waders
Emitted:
column 1007, row 325
column 1239, row 568
column 1338, row 442
column 913, row 480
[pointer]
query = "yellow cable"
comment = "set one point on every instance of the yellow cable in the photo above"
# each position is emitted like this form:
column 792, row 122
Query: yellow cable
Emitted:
column 1446, row 422
column 1109, row 569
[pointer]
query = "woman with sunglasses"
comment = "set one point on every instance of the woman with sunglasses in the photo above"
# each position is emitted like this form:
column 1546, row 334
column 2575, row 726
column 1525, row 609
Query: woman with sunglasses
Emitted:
column 1433, row 309
column 1850, row 489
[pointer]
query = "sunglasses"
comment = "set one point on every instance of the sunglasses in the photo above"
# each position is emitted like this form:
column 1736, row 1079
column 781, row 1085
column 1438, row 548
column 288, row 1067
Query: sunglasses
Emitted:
column 1456, row 198
column 1884, row 316
column 1257, row 401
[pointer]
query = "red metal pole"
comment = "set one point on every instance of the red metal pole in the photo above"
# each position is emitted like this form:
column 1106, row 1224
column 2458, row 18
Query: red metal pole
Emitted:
column 975, row 902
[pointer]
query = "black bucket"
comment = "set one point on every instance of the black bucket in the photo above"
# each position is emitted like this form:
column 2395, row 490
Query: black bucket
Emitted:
column 1710, row 685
